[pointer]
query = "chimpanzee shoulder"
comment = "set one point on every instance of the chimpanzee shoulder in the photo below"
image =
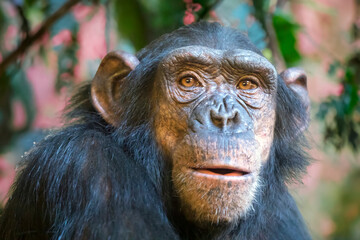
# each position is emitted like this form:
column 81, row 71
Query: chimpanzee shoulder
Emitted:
column 79, row 182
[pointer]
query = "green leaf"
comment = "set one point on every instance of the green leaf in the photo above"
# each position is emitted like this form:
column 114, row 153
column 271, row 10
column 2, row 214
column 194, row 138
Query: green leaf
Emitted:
column 206, row 3
column 54, row 5
column 35, row 13
column 261, row 9
column 322, row 111
column 169, row 16
column 257, row 35
column 333, row 67
column 30, row 2
column 351, row 98
column 92, row 2
column 285, row 29
column 22, row 91
column 67, row 60
column 130, row 21
column 5, row 110
column 242, row 13
column 261, row 5
column 354, row 65
column 162, row 15
column 3, row 26
column 349, row 75
column 66, row 22
column 255, row 31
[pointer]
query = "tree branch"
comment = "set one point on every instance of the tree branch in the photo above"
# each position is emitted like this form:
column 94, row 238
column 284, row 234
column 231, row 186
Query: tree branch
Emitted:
column 274, row 45
column 24, row 22
column 32, row 38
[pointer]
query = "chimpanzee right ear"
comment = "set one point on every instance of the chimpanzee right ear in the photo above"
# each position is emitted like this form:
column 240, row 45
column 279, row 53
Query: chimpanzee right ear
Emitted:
column 295, row 78
column 107, row 83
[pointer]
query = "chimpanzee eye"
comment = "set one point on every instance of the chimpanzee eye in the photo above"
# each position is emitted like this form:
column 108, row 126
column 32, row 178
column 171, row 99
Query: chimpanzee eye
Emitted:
column 189, row 82
column 247, row 84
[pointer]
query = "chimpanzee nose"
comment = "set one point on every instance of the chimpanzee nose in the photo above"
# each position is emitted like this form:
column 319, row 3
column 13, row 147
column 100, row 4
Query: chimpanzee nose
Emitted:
column 225, row 114
column 226, row 119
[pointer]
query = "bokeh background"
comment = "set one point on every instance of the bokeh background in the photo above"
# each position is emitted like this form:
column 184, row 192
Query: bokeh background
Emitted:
column 48, row 47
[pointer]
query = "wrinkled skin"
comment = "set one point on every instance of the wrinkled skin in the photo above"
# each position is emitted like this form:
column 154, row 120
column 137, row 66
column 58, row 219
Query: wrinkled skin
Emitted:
column 217, row 134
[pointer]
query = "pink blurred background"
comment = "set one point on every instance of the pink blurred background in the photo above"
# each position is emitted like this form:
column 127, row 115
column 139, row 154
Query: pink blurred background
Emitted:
column 323, row 37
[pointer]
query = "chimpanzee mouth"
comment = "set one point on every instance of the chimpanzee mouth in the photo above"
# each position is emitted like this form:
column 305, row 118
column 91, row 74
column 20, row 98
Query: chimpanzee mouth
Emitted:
column 221, row 171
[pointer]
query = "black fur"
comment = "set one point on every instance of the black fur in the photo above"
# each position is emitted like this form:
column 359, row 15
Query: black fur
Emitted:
column 91, row 181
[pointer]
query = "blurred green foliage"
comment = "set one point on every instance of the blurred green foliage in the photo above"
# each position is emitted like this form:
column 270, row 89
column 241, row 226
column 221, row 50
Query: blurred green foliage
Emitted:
column 253, row 28
column 346, row 211
column 341, row 114
column 286, row 29
column 130, row 22
column 21, row 91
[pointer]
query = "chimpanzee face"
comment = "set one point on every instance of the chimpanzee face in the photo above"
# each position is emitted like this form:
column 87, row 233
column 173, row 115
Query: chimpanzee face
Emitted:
column 214, row 119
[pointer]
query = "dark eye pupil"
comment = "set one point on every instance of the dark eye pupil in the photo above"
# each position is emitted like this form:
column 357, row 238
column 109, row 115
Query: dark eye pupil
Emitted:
column 247, row 85
column 188, row 81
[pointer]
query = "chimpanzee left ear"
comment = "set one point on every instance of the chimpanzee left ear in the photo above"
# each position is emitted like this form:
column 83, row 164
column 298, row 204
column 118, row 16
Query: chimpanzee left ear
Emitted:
column 107, row 83
column 295, row 78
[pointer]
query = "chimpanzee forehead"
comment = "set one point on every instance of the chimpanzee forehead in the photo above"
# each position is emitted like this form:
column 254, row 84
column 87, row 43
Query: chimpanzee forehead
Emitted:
column 236, row 58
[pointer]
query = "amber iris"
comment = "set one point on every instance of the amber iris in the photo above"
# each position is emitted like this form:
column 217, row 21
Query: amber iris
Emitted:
column 188, row 82
column 247, row 84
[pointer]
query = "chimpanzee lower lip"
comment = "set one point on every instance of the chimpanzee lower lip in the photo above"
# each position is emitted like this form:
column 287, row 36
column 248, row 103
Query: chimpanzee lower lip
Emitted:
column 221, row 171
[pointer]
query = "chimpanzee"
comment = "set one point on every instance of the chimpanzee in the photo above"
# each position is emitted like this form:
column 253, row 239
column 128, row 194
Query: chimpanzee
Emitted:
column 195, row 137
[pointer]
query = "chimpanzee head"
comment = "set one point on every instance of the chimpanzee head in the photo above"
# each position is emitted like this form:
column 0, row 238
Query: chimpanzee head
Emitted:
column 212, row 100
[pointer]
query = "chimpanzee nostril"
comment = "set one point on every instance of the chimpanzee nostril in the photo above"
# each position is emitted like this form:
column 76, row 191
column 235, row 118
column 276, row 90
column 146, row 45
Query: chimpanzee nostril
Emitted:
column 222, row 119
column 217, row 119
column 234, row 119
